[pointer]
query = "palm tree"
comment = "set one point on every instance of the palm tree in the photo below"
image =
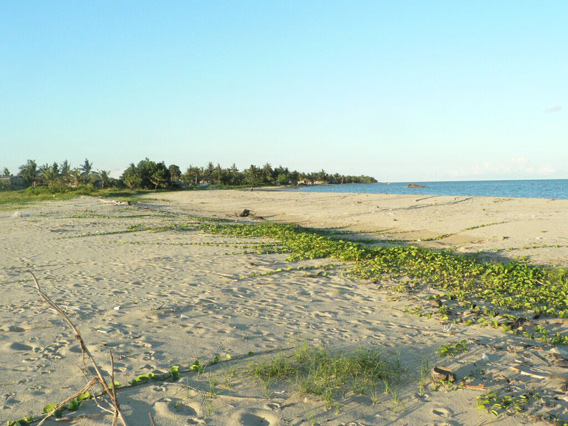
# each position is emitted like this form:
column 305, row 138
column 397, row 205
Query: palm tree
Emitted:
column 104, row 177
column 235, row 177
column 218, row 174
column 65, row 173
column 254, row 175
column 192, row 175
column 86, row 169
column 267, row 171
column 75, row 176
column 209, row 170
column 322, row 176
column 47, row 175
column 30, row 172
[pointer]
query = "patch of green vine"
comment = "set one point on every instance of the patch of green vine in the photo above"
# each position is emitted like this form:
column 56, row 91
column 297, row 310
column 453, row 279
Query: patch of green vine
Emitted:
column 174, row 374
column 512, row 286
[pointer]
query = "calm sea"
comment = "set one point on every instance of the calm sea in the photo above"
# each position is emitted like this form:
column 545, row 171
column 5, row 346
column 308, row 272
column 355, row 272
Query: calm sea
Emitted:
column 557, row 188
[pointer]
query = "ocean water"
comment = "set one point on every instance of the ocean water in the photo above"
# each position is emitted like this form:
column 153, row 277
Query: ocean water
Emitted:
column 554, row 188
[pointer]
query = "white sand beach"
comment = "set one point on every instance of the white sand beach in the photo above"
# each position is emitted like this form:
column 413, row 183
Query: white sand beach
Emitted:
column 160, row 299
column 503, row 227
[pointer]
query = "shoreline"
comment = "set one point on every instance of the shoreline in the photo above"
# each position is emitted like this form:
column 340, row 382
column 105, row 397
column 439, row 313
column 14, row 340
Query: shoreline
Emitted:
column 552, row 189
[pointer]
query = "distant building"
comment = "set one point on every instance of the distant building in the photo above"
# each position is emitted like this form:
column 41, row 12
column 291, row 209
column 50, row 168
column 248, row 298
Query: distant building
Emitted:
column 12, row 182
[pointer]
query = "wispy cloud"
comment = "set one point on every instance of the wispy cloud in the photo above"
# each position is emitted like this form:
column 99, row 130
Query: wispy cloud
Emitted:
column 513, row 167
column 116, row 173
column 553, row 109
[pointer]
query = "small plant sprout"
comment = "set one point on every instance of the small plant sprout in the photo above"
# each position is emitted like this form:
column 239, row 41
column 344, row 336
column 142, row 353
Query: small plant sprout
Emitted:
column 212, row 386
column 452, row 350
column 424, row 376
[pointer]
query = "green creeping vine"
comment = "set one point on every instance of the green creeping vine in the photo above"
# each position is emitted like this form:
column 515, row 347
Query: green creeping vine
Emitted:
column 26, row 421
column 452, row 350
column 470, row 228
column 513, row 286
column 504, row 404
column 439, row 237
column 301, row 243
column 174, row 374
column 72, row 406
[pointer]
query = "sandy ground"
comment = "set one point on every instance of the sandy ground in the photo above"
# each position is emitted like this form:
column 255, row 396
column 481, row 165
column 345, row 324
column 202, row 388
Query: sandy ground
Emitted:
column 158, row 299
column 502, row 227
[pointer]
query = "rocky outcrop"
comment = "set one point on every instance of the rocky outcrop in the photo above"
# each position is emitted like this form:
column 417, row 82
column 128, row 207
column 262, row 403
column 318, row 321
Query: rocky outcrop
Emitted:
column 415, row 185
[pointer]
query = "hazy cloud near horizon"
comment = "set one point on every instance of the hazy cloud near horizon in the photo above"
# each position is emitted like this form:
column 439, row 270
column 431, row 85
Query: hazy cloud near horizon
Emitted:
column 515, row 166
column 553, row 109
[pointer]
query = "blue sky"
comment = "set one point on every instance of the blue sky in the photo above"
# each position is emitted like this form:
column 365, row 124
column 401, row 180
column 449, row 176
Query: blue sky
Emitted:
column 400, row 90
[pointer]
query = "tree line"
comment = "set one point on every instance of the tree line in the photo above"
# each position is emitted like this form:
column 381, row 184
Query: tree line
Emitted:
column 149, row 174
column 56, row 175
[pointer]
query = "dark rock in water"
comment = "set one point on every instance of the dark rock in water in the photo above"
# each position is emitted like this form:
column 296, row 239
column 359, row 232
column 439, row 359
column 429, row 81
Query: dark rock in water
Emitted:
column 415, row 185
column 244, row 213
column 442, row 374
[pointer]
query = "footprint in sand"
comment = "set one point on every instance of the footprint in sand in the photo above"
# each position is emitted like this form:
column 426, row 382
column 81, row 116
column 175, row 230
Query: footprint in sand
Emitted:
column 13, row 329
column 442, row 412
column 253, row 418
column 20, row 347
column 274, row 406
column 173, row 409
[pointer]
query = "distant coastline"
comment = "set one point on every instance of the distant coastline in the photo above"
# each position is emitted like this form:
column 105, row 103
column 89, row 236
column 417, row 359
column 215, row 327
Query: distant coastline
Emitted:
column 148, row 174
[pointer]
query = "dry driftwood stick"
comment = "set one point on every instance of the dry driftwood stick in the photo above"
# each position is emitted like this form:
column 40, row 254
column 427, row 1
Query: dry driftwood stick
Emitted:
column 474, row 387
column 84, row 349
column 152, row 419
column 71, row 398
column 527, row 373
column 113, row 388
